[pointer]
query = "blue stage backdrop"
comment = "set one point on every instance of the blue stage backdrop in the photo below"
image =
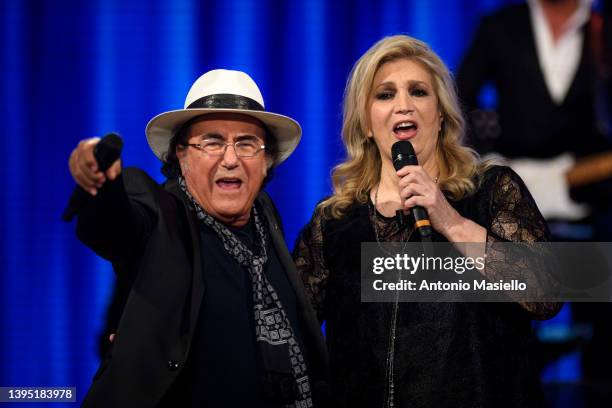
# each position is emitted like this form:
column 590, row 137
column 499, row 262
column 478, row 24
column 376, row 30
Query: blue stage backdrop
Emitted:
column 76, row 69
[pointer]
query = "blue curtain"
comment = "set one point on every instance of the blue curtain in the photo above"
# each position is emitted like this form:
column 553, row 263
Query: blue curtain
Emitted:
column 75, row 69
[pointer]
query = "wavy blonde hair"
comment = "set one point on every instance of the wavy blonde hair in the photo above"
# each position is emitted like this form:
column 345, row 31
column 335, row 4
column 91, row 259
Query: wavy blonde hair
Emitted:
column 355, row 177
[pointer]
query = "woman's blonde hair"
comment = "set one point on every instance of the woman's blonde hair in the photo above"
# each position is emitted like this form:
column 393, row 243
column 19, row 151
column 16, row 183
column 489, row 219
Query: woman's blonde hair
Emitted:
column 355, row 177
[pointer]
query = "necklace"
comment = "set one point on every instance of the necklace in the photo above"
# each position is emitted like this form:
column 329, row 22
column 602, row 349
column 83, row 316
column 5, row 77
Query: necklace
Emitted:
column 389, row 400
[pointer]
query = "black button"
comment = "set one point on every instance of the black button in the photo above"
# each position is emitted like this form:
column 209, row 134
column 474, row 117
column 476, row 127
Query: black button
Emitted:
column 173, row 365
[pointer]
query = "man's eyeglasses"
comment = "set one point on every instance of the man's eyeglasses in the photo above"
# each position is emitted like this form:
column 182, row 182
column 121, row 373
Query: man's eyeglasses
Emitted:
column 243, row 148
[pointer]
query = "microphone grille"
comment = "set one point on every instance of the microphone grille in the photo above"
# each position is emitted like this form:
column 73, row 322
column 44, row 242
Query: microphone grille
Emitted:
column 402, row 154
column 403, row 147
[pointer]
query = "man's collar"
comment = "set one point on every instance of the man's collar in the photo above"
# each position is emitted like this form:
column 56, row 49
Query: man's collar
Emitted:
column 172, row 186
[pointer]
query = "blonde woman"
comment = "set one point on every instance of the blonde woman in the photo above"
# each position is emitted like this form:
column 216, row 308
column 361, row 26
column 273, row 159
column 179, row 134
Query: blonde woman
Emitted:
column 416, row 354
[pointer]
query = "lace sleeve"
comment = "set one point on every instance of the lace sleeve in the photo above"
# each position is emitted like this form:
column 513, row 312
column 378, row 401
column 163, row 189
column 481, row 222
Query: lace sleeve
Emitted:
column 515, row 218
column 308, row 257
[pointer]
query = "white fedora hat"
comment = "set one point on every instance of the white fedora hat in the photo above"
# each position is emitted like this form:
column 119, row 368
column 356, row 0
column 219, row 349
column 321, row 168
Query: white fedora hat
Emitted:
column 222, row 90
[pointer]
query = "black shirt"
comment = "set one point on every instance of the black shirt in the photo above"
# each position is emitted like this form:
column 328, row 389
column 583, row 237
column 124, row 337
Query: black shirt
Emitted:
column 446, row 354
column 224, row 365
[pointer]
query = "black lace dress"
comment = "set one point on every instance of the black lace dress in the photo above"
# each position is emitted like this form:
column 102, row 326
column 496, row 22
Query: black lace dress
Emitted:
column 446, row 354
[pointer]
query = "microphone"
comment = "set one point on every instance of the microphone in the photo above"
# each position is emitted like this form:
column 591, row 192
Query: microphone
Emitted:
column 402, row 154
column 106, row 152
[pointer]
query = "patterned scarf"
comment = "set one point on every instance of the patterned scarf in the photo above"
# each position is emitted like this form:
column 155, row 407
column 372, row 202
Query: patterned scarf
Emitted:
column 285, row 378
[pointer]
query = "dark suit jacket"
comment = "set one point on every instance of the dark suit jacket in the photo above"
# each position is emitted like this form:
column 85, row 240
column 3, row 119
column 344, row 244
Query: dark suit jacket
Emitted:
column 135, row 221
column 504, row 53
column 533, row 125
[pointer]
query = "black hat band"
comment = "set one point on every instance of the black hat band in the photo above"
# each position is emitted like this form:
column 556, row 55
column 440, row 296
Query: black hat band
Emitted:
column 225, row 101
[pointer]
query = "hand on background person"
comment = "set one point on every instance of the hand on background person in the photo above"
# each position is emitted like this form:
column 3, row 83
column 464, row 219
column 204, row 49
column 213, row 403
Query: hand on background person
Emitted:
column 84, row 168
column 547, row 183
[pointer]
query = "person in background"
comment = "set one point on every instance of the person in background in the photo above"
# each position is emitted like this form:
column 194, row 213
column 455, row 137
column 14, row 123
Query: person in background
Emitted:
column 546, row 60
column 549, row 63
column 216, row 314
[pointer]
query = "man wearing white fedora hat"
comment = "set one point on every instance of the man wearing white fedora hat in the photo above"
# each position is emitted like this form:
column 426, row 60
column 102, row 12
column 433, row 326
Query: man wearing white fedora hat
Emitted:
column 217, row 315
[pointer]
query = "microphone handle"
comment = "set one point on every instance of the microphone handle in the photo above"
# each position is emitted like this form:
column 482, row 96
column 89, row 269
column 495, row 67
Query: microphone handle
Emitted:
column 403, row 154
column 422, row 223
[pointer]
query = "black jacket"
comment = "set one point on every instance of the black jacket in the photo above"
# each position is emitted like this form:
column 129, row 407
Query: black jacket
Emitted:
column 135, row 221
column 503, row 53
